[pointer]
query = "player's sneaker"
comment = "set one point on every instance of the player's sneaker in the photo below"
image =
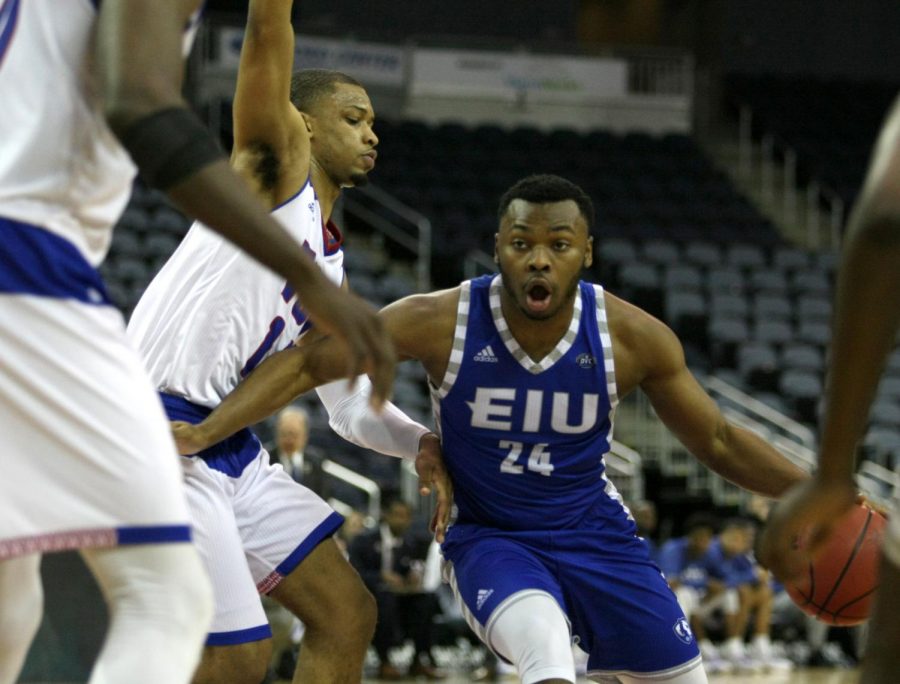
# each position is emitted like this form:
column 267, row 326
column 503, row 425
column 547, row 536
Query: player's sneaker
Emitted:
column 741, row 660
column 713, row 662
column 770, row 656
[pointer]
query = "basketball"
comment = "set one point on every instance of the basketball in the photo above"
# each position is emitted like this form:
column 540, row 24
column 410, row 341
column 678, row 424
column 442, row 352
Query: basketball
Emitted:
column 840, row 583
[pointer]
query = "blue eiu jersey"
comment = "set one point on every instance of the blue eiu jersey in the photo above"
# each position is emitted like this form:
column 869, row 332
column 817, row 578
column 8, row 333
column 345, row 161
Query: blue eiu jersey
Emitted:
column 524, row 440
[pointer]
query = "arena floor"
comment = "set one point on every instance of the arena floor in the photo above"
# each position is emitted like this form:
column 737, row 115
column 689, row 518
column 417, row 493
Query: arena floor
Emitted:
column 801, row 676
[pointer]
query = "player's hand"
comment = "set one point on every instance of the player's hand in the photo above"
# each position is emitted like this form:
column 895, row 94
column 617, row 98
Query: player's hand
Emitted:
column 189, row 439
column 433, row 477
column 352, row 321
column 803, row 519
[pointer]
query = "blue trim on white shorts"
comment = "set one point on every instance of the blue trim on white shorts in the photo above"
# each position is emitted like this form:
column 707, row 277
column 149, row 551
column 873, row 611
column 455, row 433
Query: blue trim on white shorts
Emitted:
column 323, row 530
column 230, row 456
column 239, row 636
column 155, row 534
column 34, row 261
column 9, row 14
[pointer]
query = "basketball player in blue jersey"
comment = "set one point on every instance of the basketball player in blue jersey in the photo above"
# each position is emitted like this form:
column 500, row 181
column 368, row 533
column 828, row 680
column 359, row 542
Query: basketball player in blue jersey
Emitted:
column 91, row 90
column 526, row 368
column 212, row 314
column 866, row 318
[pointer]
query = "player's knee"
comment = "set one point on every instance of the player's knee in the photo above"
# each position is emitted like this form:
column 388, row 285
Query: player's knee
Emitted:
column 186, row 597
column 514, row 635
column 348, row 615
column 162, row 591
column 236, row 664
column 360, row 615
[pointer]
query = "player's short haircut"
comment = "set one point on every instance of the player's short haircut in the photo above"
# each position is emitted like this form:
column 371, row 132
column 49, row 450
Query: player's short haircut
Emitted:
column 308, row 86
column 546, row 188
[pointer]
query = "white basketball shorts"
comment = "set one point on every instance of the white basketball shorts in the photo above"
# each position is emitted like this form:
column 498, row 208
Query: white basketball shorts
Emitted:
column 87, row 457
column 252, row 529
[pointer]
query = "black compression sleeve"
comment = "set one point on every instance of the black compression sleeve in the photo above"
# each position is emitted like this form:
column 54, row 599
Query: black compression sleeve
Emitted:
column 170, row 145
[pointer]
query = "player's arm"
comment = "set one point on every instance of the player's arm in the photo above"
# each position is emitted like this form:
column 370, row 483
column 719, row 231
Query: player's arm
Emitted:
column 271, row 143
column 420, row 327
column 736, row 454
column 138, row 68
column 866, row 317
column 867, row 307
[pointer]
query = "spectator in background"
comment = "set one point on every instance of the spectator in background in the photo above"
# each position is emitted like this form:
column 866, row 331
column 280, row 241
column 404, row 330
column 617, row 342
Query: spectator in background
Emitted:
column 685, row 563
column 731, row 561
column 291, row 449
column 391, row 560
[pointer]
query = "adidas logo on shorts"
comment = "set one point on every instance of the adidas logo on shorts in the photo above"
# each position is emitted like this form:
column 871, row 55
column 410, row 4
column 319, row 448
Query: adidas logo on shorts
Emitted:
column 483, row 594
column 486, row 355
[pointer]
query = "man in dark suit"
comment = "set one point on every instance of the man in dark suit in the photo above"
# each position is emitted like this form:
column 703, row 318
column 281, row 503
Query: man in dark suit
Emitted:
column 292, row 451
column 391, row 559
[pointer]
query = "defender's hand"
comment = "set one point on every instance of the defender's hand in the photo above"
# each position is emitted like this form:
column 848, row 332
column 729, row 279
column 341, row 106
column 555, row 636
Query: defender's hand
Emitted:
column 804, row 517
column 433, row 477
column 189, row 439
column 353, row 322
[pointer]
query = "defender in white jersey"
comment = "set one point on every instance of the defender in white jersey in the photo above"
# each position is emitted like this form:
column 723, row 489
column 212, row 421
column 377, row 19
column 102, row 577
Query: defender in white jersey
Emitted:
column 212, row 315
column 526, row 369
column 87, row 460
column 866, row 319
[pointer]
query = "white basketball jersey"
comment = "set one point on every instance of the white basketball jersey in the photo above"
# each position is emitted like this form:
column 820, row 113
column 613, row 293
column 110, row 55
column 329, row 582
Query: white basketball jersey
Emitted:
column 212, row 313
column 61, row 167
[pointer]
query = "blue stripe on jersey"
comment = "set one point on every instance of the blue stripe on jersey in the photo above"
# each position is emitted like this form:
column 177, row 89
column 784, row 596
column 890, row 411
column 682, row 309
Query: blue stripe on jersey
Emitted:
column 323, row 530
column 294, row 196
column 9, row 13
column 239, row 636
column 34, row 261
column 232, row 454
column 525, row 447
column 159, row 534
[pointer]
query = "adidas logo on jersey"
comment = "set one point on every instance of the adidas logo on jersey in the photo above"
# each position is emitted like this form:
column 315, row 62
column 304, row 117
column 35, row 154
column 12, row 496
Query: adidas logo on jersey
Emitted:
column 486, row 355
column 483, row 595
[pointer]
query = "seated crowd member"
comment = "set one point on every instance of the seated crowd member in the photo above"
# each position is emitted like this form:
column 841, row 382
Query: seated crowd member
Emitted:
column 391, row 561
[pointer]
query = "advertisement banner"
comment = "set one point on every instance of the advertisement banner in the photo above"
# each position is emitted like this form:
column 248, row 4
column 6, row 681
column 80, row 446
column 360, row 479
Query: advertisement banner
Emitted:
column 493, row 75
column 372, row 64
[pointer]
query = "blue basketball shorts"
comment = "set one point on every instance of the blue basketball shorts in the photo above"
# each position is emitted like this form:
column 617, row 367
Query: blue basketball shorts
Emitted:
column 619, row 606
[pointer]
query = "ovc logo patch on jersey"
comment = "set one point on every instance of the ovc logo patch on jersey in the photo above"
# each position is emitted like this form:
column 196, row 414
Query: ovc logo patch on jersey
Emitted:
column 683, row 630
column 585, row 360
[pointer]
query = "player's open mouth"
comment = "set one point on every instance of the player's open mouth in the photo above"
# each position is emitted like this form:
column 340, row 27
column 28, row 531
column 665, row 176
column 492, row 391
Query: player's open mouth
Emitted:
column 537, row 296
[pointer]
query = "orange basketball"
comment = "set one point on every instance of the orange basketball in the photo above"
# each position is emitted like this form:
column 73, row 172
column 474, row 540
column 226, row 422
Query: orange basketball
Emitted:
column 839, row 584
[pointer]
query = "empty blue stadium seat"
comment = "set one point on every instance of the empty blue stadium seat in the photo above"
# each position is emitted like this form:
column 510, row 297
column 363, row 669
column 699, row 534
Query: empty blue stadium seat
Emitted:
column 703, row 253
column 772, row 307
column 801, row 356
